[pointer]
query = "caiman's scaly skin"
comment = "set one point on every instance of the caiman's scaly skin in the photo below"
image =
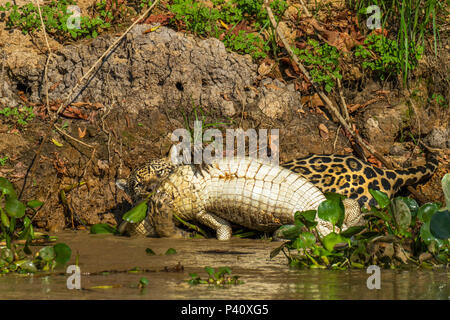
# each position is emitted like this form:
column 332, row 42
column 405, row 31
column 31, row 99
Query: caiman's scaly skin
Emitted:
column 244, row 191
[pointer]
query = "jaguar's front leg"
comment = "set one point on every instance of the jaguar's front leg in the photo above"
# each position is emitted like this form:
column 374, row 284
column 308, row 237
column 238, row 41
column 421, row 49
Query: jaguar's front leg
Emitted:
column 160, row 217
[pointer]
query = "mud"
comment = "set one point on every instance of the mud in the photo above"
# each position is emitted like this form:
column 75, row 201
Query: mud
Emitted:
column 249, row 259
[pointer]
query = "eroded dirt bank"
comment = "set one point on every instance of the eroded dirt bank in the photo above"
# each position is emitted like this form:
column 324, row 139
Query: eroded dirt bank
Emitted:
column 146, row 88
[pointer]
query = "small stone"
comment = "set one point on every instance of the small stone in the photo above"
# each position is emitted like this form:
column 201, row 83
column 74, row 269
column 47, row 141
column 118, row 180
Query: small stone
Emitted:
column 228, row 108
column 397, row 150
column 438, row 138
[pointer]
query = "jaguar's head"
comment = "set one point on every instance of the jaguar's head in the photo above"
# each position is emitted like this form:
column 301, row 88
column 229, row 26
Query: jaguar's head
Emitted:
column 145, row 179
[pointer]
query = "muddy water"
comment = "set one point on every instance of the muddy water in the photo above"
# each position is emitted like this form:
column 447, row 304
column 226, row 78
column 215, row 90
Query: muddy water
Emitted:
column 263, row 278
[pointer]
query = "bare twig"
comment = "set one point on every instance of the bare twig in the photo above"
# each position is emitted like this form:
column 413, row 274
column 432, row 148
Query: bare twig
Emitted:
column 305, row 8
column 74, row 139
column 344, row 109
column 48, row 57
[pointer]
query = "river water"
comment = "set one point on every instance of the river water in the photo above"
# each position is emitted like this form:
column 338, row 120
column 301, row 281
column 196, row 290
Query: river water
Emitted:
column 263, row 278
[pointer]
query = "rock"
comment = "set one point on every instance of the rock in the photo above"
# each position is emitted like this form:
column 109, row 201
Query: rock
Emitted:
column 158, row 67
column 381, row 124
column 228, row 108
column 277, row 100
column 398, row 150
column 438, row 138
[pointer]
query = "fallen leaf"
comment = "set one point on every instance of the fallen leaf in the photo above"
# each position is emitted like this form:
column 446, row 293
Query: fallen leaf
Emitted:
column 56, row 143
column 323, row 128
column 323, row 131
column 316, row 101
column 371, row 159
column 223, row 24
column 81, row 133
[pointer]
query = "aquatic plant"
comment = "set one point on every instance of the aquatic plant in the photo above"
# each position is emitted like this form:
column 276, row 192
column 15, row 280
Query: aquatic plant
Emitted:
column 396, row 233
column 220, row 277
column 17, row 234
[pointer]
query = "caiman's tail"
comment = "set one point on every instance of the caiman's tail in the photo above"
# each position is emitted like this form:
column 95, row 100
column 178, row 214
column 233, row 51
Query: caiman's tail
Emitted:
column 413, row 175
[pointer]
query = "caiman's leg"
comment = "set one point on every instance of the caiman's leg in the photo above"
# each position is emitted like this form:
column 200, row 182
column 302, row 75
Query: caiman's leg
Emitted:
column 222, row 227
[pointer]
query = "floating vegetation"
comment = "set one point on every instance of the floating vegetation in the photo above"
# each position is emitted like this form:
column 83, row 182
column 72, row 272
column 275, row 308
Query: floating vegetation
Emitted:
column 17, row 235
column 221, row 277
column 397, row 233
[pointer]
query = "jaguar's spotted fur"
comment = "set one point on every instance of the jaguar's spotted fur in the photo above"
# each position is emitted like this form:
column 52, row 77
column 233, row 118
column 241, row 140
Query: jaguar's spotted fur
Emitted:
column 352, row 177
column 144, row 179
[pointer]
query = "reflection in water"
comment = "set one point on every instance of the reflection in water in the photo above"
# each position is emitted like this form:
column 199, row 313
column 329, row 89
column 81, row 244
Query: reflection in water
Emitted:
column 351, row 284
column 264, row 278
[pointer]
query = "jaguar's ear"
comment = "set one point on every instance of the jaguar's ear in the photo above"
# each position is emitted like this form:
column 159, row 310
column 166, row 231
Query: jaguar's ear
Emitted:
column 122, row 184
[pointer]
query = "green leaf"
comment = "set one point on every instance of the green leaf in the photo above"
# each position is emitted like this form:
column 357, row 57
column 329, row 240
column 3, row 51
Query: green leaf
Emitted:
column 7, row 255
column 352, row 231
column 440, row 224
column 426, row 211
column 5, row 219
column 27, row 265
column 305, row 240
column 401, row 213
column 276, row 251
column 380, row 214
column 428, row 238
column 222, row 270
column 209, row 271
column 288, row 231
column 150, row 252
column 33, row 204
column 143, row 282
column 62, row 252
column 136, row 214
column 412, row 205
column 15, row 208
column 170, row 251
column 7, row 188
column 381, row 198
column 305, row 218
column 103, row 228
column 332, row 239
column 27, row 232
column 47, row 254
column 334, row 196
column 330, row 210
